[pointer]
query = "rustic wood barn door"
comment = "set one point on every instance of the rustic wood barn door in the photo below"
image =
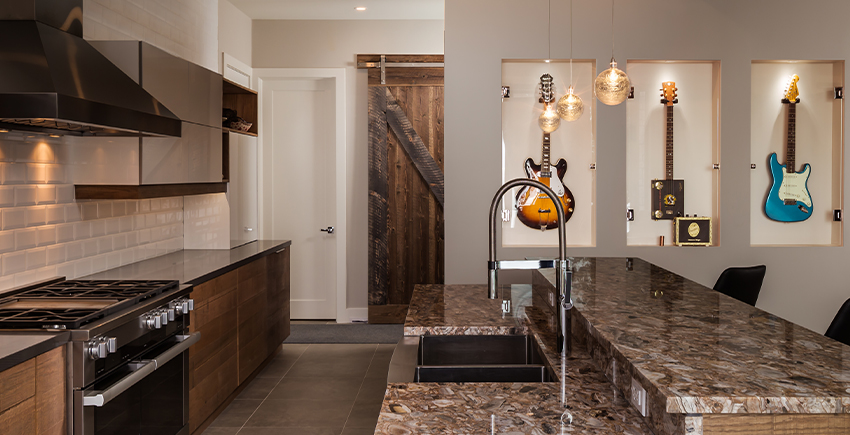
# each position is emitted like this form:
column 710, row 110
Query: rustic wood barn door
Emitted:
column 405, row 179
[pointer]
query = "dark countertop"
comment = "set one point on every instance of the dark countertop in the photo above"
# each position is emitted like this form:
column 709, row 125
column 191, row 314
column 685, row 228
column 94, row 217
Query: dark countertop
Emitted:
column 16, row 348
column 430, row 408
column 187, row 266
column 194, row 266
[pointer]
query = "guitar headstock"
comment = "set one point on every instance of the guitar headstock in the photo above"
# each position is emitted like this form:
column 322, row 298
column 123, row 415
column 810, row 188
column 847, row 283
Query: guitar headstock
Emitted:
column 547, row 94
column 668, row 93
column 791, row 91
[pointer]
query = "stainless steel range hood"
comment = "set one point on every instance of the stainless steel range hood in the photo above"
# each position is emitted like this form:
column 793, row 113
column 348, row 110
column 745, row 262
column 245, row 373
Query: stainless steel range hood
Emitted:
column 53, row 81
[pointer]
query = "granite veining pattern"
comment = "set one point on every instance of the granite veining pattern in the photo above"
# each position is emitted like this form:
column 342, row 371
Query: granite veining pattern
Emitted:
column 519, row 408
column 702, row 351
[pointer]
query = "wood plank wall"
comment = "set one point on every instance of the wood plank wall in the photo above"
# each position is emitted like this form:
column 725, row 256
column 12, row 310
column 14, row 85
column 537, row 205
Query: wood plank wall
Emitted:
column 404, row 214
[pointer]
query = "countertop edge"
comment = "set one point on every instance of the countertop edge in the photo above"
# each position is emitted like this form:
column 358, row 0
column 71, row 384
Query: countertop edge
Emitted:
column 235, row 265
column 30, row 352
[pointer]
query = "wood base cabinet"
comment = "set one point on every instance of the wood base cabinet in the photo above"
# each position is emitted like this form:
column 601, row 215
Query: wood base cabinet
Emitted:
column 32, row 396
column 243, row 317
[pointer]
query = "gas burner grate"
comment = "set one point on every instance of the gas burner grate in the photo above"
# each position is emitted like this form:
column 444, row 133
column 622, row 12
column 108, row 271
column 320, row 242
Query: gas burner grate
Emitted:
column 127, row 293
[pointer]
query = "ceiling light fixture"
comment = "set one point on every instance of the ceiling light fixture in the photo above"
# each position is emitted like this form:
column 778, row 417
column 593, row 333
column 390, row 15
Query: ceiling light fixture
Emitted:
column 360, row 8
column 612, row 86
column 570, row 106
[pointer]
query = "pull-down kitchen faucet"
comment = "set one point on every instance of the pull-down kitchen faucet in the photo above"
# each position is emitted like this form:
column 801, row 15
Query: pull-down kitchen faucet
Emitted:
column 563, row 274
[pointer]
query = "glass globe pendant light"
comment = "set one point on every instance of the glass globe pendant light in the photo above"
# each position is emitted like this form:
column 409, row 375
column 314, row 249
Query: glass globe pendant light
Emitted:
column 612, row 86
column 570, row 106
column 549, row 121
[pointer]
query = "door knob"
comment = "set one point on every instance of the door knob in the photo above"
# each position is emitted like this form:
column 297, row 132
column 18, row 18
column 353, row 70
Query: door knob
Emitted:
column 329, row 230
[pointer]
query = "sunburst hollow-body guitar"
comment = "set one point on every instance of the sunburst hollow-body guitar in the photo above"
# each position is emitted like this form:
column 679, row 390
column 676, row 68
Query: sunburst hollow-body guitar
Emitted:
column 788, row 199
column 534, row 208
column 668, row 194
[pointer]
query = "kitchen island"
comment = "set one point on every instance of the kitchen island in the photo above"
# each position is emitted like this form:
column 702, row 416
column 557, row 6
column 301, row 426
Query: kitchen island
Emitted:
column 709, row 364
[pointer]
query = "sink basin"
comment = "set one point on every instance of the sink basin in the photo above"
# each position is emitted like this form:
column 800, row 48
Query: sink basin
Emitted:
column 480, row 358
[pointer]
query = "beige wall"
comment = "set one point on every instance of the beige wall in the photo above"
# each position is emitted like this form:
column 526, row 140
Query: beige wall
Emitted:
column 804, row 284
column 185, row 28
column 335, row 44
column 234, row 33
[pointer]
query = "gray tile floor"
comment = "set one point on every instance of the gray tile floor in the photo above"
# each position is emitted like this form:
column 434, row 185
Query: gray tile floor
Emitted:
column 312, row 389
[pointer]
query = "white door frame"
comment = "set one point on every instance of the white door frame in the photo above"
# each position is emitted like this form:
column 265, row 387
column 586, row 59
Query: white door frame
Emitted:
column 338, row 76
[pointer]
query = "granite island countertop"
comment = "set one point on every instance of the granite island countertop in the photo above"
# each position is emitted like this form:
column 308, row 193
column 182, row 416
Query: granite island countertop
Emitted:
column 528, row 408
column 697, row 352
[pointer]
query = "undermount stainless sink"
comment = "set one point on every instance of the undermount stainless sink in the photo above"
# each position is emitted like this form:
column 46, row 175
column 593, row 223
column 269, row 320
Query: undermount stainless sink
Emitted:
column 480, row 358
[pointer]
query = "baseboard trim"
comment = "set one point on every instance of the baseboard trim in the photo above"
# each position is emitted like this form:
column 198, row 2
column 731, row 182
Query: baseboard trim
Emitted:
column 356, row 315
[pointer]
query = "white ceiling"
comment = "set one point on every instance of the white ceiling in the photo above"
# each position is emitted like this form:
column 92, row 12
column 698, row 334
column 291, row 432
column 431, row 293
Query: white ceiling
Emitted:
column 341, row 9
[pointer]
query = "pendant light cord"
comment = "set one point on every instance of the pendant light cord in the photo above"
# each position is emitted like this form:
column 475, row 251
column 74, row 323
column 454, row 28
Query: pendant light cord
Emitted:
column 612, row 29
column 571, row 44
column 549, row 30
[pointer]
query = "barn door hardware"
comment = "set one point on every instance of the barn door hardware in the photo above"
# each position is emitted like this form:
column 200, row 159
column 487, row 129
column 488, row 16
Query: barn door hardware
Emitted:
column 383, row 65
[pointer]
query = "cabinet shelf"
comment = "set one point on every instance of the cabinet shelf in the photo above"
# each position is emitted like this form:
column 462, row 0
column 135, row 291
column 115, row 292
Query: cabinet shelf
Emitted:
column 242, row 100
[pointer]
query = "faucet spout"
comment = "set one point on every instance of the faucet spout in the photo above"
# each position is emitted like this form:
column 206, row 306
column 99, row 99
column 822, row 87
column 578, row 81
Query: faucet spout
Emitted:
column 563, row 280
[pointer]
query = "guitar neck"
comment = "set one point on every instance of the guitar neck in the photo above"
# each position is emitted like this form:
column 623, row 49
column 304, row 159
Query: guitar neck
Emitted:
column 545, row 166
column 790, row 148
column 669, row 148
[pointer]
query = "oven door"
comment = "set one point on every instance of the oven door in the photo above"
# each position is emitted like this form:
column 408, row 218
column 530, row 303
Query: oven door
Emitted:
column 146, row 397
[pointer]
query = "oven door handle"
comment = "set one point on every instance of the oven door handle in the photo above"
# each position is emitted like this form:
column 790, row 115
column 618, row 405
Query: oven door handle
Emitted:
column 102, row 397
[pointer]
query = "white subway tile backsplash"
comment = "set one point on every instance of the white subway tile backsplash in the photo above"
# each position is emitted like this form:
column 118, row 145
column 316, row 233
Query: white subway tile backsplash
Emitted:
column 46, row 194
column 156, row 204
column 104, row 210
column 55, row 214
column 83, row 267
column 132, row 207
column 73, row 212
column 7, row 196
column 66, row 270
column 55, row 174
column 26, row 278
column 7, row 241
column 89, row 211
column 36, row 216
column 150, row 220
column 25, row 239
column 26, row 195
column 144, row 236
column 74, row 250
column 132, row 239
column 36, row 173
column 65, row 193
column 15, row 173
column 98, row 228
column 98, row 263
column 13, row 218
column 161, row 218
column 96, row 246
column 64, row 233
column 55, row 254
column 46, row 235
column 82, row 230
column 144, row 205
column 125, row 224
column 139, row 222
column 113, row 260
column 14, row 262
column 113, row 226
column 36, row 258
column 119, row 242
column 7, row 282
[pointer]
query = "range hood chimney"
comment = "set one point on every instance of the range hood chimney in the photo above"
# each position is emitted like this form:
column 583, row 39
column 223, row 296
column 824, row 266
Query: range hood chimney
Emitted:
column 53, row 81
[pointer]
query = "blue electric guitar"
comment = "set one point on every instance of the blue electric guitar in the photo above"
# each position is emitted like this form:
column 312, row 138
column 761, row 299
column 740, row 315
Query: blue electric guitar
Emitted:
column 789, row 199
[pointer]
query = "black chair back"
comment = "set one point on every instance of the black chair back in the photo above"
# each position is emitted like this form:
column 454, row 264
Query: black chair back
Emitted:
column 741, row 283
column 839, row 329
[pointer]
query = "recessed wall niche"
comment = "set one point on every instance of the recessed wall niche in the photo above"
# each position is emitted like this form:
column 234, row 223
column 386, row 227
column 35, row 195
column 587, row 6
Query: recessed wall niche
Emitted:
column 575, row 142
column 696, row 147
column 802, row 212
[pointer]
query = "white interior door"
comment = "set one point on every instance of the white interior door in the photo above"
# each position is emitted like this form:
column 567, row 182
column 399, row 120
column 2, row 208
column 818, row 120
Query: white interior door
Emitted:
column 300, row 187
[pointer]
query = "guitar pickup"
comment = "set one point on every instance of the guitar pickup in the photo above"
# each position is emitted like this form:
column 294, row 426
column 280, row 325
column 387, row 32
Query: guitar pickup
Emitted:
column 790, row 202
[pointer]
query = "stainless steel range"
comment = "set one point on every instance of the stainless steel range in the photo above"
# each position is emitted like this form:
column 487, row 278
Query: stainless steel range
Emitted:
column 128, row 360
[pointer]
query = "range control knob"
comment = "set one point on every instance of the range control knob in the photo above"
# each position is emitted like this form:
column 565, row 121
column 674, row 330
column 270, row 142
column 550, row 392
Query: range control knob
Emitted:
column 171, row 313
column 111, row 344
column 96, row 349
column 177, row 306
column 153, row 321
column 163, row 316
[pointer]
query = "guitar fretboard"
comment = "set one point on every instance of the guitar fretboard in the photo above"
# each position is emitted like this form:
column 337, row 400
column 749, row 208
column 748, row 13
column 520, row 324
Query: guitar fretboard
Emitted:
column 790, row 149
column 545, row 169
column 669, row 148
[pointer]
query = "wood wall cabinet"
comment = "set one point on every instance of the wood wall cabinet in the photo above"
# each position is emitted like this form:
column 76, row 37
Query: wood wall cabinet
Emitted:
column 244, row 101
column 243, row 317
column 32, row 395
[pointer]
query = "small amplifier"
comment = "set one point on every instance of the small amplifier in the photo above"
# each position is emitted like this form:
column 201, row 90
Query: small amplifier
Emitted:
column 693, row 231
